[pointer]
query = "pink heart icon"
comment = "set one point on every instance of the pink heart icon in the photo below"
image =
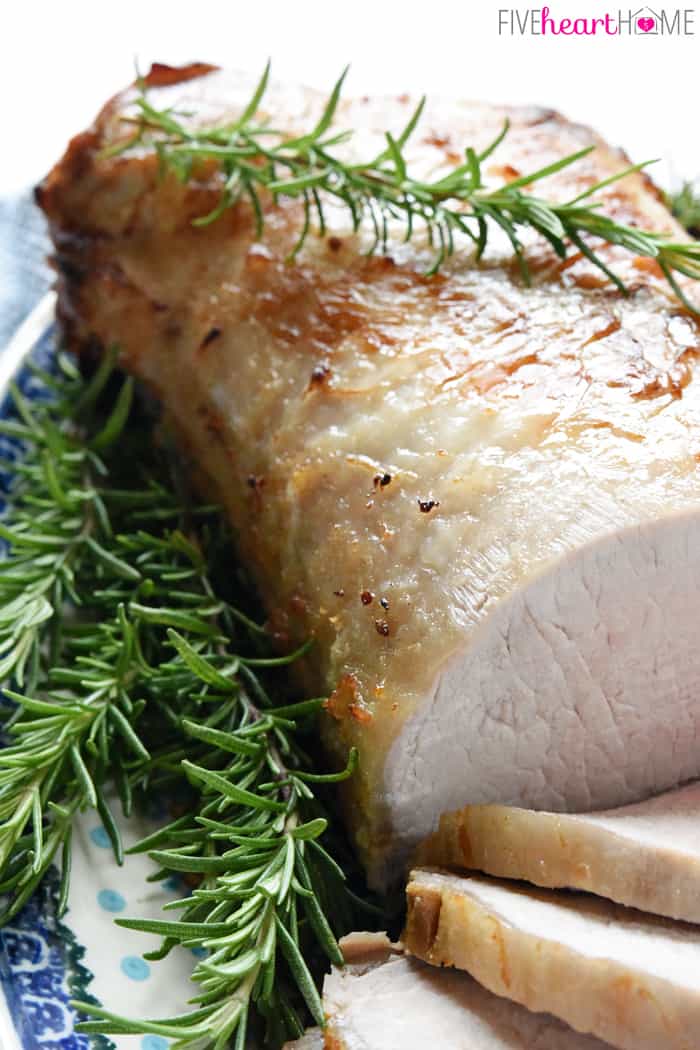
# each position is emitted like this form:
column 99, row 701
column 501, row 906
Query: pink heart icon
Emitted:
column 646, row 24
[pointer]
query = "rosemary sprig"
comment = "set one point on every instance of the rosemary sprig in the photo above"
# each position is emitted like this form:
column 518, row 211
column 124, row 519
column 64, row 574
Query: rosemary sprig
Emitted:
column 267, row 885
column 63, row 743
column 255, row 158
column 137, row 675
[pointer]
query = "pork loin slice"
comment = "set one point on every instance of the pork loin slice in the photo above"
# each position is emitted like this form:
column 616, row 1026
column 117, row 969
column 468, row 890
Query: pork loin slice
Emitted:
column 646, row 855
column 629, row 978
column 402, row 1004
column 482, row 499
column 311, row 1040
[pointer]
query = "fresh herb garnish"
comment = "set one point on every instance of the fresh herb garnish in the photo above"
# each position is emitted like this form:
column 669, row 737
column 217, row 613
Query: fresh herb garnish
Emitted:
column 254, row 157
column 685, row 205
column 133, row 674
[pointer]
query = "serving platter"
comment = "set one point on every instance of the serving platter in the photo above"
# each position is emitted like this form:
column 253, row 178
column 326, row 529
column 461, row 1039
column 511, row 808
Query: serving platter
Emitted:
column 44, row 961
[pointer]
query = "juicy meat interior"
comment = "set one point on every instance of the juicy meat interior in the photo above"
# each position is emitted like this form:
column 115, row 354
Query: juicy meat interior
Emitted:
column 480, row 498
column 402, row 1004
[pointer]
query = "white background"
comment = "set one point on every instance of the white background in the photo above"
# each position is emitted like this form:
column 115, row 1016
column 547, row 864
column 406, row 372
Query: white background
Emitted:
column 60, row 59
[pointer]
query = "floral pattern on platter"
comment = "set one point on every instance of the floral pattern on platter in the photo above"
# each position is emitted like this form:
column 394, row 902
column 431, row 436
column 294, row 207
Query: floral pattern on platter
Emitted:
column 41, row 969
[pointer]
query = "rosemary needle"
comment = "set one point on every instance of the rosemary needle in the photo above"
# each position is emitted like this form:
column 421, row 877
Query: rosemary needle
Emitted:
column 255, row 159
column 685, row 205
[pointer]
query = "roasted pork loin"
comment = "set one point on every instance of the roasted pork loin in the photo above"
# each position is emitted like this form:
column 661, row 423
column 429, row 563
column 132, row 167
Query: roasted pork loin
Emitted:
column 481, row 499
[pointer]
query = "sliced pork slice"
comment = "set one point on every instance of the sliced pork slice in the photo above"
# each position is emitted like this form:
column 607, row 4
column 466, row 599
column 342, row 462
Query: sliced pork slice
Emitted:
column 646, row 855
column 402, row 1004
column 481, row 499
column 629, row 978
column 311, row 1040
